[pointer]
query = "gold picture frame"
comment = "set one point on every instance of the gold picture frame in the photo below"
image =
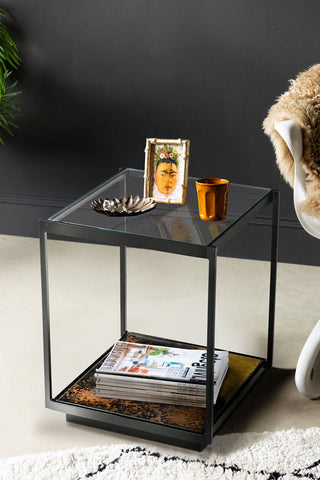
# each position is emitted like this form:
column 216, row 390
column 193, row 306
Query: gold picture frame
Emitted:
column 166, row 170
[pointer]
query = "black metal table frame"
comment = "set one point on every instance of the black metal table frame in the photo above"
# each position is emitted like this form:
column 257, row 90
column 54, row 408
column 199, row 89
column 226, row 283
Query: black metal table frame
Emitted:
column 124, row 423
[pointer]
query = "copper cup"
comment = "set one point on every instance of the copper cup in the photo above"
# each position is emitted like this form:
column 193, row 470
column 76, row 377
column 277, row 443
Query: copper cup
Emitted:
column 212, row 198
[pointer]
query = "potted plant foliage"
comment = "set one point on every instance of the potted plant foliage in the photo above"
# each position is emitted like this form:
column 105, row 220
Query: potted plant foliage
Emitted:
column 9, row 59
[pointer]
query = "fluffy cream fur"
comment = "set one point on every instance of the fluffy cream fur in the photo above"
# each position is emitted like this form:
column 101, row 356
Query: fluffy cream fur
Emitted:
column 301, row 103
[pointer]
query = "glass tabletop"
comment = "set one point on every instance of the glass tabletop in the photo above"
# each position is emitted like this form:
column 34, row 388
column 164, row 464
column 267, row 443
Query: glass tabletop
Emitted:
column 180, row 223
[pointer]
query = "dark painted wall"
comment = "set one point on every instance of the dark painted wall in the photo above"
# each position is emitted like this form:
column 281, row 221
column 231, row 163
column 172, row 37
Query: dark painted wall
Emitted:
column 100, row 76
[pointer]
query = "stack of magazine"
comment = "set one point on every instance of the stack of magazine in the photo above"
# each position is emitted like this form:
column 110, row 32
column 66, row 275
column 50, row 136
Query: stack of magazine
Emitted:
column 159, row 374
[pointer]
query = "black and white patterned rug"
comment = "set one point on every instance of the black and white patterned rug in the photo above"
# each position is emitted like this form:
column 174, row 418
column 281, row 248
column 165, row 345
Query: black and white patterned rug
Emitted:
column 284, row 455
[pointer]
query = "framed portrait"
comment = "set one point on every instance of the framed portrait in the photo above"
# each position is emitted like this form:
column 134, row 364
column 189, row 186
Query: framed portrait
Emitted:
column 180, row 225
column 166, row 170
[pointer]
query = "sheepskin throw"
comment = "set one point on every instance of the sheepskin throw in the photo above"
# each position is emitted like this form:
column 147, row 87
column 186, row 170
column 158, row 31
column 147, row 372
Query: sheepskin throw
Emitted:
column 301, row 104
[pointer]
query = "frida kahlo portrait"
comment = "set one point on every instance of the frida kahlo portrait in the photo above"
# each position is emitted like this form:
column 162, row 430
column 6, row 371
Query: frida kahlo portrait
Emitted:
column 166, row 170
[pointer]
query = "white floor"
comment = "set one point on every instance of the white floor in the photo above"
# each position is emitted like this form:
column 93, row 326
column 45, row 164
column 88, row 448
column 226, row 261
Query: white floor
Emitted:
column 169, row 300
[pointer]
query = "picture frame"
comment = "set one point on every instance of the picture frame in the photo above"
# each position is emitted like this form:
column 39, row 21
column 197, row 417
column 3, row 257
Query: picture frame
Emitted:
column 166, row 170
column 179, row 224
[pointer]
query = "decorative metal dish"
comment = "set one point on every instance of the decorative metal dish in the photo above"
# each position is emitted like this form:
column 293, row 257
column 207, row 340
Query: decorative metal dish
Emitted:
column 124, row 206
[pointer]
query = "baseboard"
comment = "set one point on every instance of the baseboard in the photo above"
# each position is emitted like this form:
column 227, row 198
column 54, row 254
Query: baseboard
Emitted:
column 295, row 245
column 20, row 214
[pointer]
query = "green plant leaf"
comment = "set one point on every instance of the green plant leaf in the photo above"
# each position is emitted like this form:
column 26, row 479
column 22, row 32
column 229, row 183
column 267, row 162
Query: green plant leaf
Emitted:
column 9, row 59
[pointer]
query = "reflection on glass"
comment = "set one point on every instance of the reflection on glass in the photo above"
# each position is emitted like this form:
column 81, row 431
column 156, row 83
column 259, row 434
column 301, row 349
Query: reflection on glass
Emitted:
column 180, row 225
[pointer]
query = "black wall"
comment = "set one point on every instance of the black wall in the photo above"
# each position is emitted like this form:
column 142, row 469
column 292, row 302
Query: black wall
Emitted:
column 100, row 76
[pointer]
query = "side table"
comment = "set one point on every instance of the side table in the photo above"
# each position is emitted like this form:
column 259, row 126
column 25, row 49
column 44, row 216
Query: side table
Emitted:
column 187, row 427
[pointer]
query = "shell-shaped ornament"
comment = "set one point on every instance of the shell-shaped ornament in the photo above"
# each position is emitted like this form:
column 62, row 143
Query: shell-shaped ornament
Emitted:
column 124, row 206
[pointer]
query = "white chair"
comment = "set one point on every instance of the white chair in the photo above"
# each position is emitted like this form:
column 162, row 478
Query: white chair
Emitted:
column 307, row 376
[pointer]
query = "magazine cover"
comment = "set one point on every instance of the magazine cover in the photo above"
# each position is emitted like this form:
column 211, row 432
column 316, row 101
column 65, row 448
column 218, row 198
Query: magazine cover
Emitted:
column 187, row 365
